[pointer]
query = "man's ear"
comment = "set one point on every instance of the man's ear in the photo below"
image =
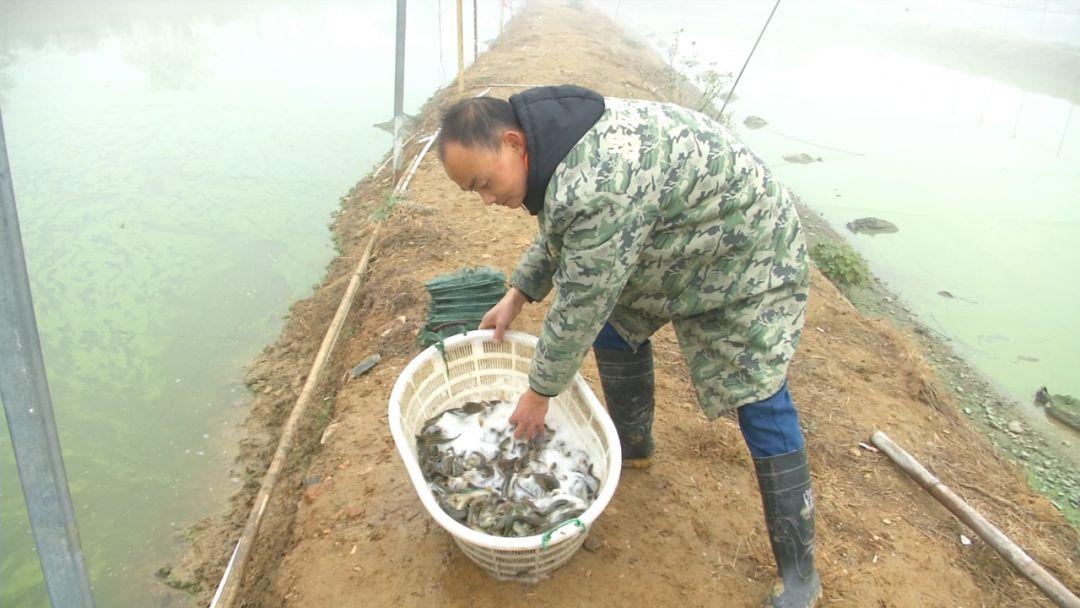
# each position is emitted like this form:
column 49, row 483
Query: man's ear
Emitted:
column 515, row 139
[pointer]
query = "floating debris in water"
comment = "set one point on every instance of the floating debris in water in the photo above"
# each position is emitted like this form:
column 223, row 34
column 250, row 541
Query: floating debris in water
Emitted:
column 948, row 295
column 802, row 158
column 755, row 122
column 872, row 225
column 1063, row 408
column 408, row 120
column 486, row 479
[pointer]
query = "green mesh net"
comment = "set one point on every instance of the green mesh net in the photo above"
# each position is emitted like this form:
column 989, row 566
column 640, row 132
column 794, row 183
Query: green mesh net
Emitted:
column 459, row 301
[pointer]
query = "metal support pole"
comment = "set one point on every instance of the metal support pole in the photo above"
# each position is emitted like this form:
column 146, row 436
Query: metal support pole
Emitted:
column 399, row 87
column 24, row 391
column 460, row 52
column 475, row 34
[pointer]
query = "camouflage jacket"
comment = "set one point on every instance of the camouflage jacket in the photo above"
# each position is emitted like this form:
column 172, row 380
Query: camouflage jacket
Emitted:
column 660, row 214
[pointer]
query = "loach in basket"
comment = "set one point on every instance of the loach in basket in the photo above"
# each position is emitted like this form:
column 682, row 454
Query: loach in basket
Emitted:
column 473, row 367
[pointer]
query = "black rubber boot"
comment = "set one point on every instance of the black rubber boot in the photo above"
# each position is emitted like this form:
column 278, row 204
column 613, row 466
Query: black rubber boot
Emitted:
column 629, row 386
column 789, row 514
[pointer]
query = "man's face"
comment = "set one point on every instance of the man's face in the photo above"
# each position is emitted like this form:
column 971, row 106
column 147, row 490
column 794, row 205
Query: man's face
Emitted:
column 498, row 177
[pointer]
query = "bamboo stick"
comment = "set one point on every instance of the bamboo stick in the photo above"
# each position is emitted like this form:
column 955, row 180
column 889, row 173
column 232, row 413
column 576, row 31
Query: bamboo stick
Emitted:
column 404, row 183
column 234, row 575
column 389, row 158
column 994, row 537
column 460, row 51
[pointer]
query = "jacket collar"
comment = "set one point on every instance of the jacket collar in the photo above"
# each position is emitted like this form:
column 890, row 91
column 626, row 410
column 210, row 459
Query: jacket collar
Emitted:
column 554, row 120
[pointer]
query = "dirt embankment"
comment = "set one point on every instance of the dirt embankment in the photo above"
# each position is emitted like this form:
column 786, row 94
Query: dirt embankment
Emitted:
column 689, row 531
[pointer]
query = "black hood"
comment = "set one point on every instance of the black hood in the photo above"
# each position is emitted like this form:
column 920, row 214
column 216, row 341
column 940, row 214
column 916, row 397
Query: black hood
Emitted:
column 554, row 120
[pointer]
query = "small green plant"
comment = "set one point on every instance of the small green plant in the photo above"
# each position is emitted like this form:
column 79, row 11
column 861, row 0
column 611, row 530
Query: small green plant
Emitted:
column 684, row 73
column 672, row 77
column 326, row 410
column 842, row 264
column 712, row 85
column 339, row 243
column 383, row 211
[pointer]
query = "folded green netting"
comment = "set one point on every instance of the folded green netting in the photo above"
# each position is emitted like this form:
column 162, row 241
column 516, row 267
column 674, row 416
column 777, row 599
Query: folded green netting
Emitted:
column 459, row 301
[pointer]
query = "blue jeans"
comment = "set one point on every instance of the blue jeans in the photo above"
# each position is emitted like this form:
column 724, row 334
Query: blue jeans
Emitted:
column 770, row 427
column 610, row 339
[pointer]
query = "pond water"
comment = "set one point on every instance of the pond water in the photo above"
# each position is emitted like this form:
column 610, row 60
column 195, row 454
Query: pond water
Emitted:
column 176, row 165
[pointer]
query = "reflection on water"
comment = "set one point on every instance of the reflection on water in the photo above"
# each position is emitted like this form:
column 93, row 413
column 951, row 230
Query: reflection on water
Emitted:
column 172, row 58
column 952, row 120
column 162, row 35
column 175, row 165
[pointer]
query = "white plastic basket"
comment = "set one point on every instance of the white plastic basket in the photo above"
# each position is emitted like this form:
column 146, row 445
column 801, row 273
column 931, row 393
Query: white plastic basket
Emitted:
column 473, row 367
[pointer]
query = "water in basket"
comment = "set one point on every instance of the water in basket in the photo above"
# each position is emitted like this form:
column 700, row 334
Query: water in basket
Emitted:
column 472, row 367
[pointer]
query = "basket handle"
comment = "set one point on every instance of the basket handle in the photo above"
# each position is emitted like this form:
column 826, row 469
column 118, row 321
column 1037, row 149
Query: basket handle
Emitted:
column 546, row 538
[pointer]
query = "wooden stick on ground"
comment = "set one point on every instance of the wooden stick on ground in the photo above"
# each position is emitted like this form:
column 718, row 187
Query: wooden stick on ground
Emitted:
column 986, row 530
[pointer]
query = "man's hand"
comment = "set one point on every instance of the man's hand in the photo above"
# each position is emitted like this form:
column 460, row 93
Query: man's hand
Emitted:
column 503, row 314
column 528, row 417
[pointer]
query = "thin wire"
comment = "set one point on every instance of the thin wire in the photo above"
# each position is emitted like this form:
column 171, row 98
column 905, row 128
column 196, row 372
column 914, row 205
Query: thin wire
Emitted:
column 816, row 145
column 1016, row 123
column 1064, row 131
column 737, row 78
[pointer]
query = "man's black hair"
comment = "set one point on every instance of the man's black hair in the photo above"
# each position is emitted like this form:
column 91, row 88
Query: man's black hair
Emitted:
column 478, row 121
